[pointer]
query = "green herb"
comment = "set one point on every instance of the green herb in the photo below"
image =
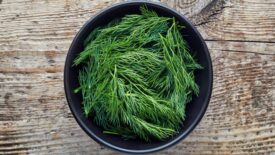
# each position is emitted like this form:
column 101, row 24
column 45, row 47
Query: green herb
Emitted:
column 137, row 76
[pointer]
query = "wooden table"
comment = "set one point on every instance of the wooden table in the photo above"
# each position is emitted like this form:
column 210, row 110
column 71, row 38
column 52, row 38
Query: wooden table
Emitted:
column 34, row 39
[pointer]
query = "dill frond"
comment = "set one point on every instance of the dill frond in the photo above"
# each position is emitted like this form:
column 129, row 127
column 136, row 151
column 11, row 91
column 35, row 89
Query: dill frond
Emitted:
column 137, row 76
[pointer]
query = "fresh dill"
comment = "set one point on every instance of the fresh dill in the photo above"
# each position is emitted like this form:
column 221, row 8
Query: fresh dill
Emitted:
column 137, row 76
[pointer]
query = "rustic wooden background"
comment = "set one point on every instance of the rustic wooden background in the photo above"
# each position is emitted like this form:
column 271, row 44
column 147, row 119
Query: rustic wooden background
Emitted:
column 34, row 39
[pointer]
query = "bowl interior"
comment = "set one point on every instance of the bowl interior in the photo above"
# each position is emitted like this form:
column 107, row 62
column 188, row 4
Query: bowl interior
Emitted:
column 194, row 110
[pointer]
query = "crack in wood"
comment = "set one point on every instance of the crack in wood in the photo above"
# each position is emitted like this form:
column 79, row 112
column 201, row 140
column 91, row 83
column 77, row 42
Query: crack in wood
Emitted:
column 250, row 41
column 210, row 13
column 236, row 51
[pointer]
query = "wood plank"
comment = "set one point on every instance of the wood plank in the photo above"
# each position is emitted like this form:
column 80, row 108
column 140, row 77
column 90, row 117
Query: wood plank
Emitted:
column 239, row 20
column 35, row 36
column 239, row 116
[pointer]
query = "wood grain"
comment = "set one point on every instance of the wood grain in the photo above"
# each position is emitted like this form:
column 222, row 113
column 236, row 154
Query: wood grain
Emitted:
column 36, row 34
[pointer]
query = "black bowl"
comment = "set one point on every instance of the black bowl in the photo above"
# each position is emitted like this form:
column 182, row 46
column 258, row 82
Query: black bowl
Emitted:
column 194, row 110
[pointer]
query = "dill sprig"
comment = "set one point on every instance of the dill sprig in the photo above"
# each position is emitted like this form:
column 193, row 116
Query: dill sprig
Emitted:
column 137, row 76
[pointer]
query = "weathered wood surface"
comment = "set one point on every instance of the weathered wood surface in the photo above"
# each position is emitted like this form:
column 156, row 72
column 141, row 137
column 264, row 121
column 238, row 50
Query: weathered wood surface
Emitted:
column 35, row 36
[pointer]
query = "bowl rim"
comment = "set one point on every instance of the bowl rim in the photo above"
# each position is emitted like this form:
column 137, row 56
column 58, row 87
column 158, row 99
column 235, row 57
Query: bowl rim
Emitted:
column 183, row 134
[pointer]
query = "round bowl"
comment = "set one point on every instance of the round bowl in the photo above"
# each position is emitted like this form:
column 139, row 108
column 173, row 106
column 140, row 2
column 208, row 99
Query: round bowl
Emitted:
column 194, row 110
